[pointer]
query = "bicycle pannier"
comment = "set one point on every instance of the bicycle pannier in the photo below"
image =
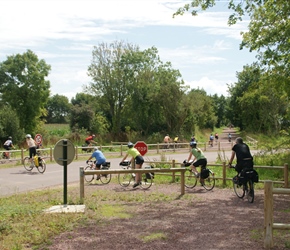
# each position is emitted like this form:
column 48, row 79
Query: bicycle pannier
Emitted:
column 149, row 175
column 250, row 174
column 204, row 173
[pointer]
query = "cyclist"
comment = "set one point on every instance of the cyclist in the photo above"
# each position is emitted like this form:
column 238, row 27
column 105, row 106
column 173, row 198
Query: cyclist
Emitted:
column 31, row 145
column 176, row 139
column 8, row 144
column 90, row 140
column 138, row 160
column 167, row 140
column 216, row 136
column 199, row 159
column 230, row 137
column 244, row 157
column 211, row 140
column 100, row 159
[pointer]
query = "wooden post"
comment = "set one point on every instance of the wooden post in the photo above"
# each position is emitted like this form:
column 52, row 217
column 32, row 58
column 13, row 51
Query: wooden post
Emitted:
column 268, row 214
column 173, row 173
column 50, row 153
column 121, row 149
column 157, row 147
column 22, row 156
column 219, row 146
column 286, row 175
column 76, row 150
column 205, row 146
column 224, row 174
column 82, row 185
column 182, row 182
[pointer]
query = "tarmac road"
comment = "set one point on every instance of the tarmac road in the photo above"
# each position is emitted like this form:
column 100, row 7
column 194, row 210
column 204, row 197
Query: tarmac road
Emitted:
column 18, row 180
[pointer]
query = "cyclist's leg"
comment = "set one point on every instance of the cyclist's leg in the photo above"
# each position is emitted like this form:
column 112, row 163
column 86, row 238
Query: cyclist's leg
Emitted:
column 98, row 167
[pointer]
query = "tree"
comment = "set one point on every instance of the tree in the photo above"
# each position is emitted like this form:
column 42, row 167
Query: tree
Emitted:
column 9, row 125
column 109, row 81
column 58, row 109
column 24, row 88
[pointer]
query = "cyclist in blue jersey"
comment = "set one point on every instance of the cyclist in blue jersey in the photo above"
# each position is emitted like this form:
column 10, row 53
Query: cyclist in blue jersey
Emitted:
column 100, row 159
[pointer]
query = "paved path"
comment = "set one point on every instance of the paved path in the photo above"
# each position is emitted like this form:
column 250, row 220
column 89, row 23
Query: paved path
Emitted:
column 18, row 180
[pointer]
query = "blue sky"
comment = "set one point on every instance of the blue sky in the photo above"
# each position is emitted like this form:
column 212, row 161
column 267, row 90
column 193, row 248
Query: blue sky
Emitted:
column 63, row 33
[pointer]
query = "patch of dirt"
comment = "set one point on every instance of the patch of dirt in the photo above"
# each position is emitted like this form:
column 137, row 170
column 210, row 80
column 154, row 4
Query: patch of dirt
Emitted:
column 215, row 219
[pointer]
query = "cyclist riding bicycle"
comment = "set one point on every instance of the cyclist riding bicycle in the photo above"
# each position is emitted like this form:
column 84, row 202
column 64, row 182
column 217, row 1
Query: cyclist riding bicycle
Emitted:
column 90, row 140
column 199, row 159
column 8, row 144
column 244, row 157
column 138, row 160
column 100, row 159
column 31, row 145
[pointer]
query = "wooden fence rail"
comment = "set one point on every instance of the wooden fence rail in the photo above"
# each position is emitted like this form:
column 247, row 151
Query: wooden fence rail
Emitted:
column 269, row 225
column 123, row 171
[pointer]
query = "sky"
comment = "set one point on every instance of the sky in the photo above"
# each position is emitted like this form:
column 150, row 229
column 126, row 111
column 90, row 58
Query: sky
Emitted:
column 64, row 32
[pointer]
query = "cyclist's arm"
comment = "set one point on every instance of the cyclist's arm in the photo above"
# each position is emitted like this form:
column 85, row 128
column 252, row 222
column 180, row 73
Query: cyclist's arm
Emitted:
column 189, row 157
column 232, row 158
column 124, row 157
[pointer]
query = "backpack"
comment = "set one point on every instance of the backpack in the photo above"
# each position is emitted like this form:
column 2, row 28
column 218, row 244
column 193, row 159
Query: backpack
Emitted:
column 204, row 173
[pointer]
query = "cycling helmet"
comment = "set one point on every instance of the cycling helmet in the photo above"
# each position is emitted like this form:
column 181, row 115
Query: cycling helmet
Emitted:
column 193, row 144
column 95, row 148
column 10, row 138
column 28, row 136
column 130, row 145
column 93, row 135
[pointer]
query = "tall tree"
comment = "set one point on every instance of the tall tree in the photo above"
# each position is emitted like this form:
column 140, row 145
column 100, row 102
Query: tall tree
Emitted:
column 58, row 109
column 109, row 81
column 24, row 87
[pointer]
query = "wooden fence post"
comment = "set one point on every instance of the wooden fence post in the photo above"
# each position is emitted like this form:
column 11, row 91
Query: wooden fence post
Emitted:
column 22, row 156
column 182, row 182
column 286, row 175
column 82, row 185
column 268, row 217
column 157, row 147
column 224, row 174
column 173, row 173
column 121, row 149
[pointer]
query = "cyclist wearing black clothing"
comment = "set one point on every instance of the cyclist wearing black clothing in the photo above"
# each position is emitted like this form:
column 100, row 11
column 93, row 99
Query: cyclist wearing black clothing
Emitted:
column 244, row 158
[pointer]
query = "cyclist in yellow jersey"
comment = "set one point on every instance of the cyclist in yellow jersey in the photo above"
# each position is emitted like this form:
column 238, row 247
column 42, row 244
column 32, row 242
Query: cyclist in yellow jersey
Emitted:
column 138, row 160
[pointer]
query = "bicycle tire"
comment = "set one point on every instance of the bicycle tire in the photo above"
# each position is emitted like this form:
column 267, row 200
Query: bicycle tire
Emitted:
column 190, row 180
column 28, row 165
column 42, row 166
column 105, row 178
column 89, row 178
column 209, row 182
column 146, row 182
column 125, row 179
column 239, row 190
column 251, row 192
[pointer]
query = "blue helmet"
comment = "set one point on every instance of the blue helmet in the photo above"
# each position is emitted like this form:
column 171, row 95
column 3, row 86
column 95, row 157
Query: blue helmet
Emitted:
column 130, row 145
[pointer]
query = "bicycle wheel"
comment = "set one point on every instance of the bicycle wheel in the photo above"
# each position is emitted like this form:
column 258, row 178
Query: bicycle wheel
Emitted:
column 28, row 165
column 125, row 179
column 42, row 166
column 146, row 181
column 209, row 182
column 189, row 179
column 89, row 178
column 250, row 191
column 239, row 189
column 105, row 178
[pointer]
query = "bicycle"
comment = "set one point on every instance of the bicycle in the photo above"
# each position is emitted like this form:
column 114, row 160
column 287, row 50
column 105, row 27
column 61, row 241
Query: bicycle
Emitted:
column 104, row 178
column 243, row 184
column 126, row 178
column 190, row 179
column 36, row 162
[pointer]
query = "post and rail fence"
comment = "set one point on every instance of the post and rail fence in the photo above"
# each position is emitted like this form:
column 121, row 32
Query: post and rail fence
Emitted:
column 269, row 224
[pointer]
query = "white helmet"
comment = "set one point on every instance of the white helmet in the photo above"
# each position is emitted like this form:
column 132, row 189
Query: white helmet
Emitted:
column 95, row 148
column 28, row 136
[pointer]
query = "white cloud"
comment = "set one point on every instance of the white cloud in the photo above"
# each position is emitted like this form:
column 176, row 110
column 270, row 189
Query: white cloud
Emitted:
column 63, row 33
